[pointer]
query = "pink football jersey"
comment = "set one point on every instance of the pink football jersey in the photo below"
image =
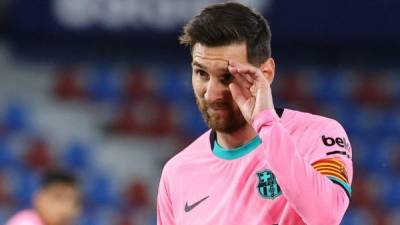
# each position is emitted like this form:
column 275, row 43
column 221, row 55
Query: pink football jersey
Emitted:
column 25, row 217
column 298, row 170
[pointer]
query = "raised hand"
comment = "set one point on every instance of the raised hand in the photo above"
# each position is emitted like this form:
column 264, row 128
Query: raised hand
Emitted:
column 250, row 89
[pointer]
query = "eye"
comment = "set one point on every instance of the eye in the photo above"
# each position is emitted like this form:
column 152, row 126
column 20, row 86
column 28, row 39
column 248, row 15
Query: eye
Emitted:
column 226, row 78
column 201, row 73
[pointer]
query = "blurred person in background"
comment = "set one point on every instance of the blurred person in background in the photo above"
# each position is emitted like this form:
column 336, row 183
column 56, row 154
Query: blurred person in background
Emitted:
column 57, row 202
column 258, row 164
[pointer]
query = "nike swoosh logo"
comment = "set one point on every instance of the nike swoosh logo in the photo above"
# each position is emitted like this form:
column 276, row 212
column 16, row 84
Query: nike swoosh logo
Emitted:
column 188, row 208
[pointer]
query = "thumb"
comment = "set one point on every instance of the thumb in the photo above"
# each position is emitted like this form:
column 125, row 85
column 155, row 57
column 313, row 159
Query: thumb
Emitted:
column 237, row 94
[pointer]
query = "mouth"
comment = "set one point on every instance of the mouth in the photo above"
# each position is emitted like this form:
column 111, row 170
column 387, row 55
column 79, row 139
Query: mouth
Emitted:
column 217, row 111
column 218, row 107
column 214, row 109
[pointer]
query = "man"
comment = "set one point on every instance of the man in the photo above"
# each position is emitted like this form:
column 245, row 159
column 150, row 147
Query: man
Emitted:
column 258, row 164
column 56, row 203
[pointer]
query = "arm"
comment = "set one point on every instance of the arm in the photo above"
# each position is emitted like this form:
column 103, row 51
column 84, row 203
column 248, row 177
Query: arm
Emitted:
column 316, row 198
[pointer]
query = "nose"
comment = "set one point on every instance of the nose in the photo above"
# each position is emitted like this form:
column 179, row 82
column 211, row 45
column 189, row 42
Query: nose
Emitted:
column 215, row 90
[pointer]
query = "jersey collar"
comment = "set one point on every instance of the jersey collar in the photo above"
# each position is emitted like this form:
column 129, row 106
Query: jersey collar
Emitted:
column 230, row 154
column 235, row 153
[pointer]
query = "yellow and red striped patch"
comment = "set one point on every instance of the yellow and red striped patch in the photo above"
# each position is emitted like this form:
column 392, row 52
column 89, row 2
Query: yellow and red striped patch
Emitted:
column 331, row 167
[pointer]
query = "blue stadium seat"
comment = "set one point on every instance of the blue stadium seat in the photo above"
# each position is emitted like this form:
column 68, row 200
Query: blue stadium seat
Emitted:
column 357, row 216
column 368, row 154
column 89, row 219
column 104, row 85
column 17, row 116
column 193, row 124
column 389, row 124
column 104, row 216
column 346, row 113
column 100, row 191
column 7, row 157
column 77, row 156
column 329, row 86
column 175, row 86
column 392, row 194
column 27, row 182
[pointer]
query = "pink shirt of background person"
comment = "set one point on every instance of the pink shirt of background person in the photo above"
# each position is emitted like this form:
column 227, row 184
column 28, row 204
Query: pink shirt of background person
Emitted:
column 26, row 217
column 56, row 202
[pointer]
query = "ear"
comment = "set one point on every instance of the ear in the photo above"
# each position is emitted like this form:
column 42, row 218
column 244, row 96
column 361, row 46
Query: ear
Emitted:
column 268, row 69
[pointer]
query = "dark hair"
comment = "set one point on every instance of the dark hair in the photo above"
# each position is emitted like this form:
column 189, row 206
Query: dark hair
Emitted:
column 58, row 176
column 228, row 23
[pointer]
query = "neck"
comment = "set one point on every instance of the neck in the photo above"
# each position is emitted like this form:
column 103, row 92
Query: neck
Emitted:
column 237, row 138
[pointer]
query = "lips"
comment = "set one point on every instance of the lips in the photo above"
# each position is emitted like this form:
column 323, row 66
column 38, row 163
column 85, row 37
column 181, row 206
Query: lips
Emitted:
column 216, row 112
column 218, row 105
column 218, row 108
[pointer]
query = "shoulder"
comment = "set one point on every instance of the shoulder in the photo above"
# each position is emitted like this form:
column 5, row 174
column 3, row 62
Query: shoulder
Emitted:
column 317, row 135
column 308, row 122
column 192, row 152
column 25, row 217
column 312, row 131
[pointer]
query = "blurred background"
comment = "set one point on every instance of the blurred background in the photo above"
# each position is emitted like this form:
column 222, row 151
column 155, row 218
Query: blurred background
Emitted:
column 103, row 88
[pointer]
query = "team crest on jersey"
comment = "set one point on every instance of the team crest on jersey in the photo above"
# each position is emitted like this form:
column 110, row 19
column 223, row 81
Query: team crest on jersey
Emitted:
column 267, row 186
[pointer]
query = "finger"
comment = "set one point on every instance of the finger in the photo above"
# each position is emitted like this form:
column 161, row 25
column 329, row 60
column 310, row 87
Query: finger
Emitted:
column 243, row 68
column 249, row 78
column 240, row 79
column 241, row 82
column 253, row 75
column 237, row 94
column 245, row 88
column 247, row 69
column 232, row 63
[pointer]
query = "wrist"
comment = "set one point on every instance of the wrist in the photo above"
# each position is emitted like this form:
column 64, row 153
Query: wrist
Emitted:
column 264, row 118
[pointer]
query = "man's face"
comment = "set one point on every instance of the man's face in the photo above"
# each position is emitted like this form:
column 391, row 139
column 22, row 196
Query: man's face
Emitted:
column 58, row 204
column 210, row 80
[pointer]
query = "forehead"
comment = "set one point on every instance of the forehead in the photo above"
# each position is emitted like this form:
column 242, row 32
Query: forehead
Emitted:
column 217, row 57
column 61, row 188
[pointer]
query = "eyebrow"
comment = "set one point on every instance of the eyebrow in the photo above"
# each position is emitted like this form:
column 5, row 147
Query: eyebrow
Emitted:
column 194, row 63
column 201, row 66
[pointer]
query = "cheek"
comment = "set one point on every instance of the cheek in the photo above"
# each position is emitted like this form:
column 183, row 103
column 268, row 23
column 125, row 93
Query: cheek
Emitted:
column 198, row 88
column 234, row 107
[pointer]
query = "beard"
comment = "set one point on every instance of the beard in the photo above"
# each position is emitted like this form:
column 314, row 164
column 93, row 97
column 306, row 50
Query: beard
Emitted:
column 228, row 121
